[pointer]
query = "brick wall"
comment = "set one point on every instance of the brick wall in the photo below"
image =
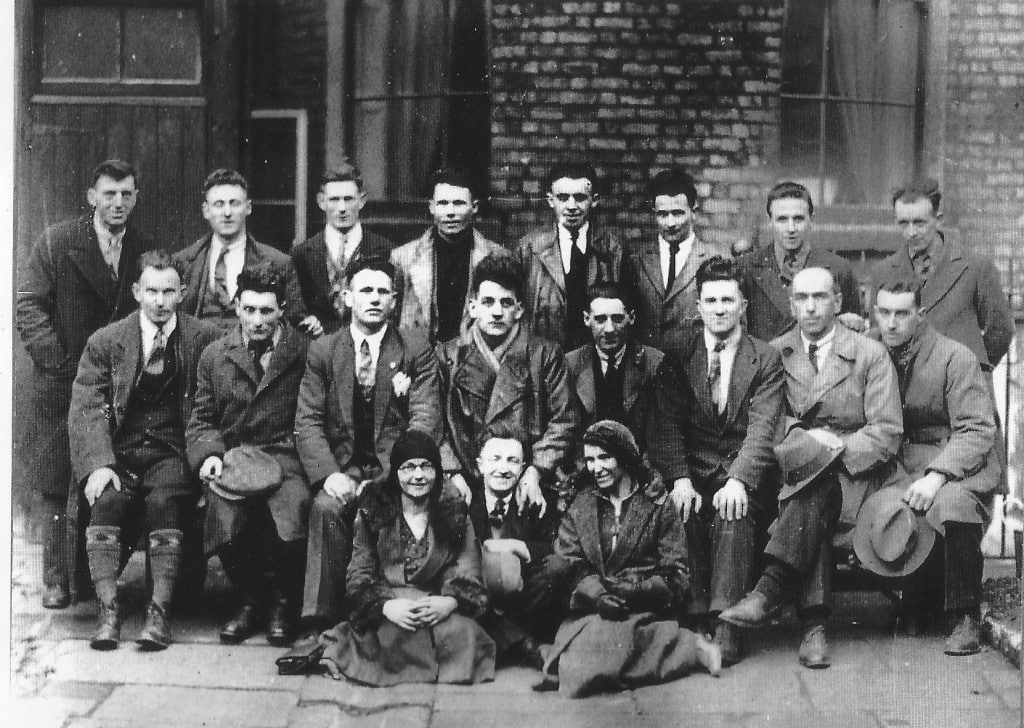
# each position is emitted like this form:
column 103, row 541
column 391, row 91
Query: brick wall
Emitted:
column 985, row 130
column 635, row 87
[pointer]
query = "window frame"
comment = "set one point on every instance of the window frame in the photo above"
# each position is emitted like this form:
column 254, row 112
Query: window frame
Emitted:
column 299, row 200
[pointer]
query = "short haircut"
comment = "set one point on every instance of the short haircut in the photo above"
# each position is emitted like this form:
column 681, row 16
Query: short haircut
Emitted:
column 160, row 260
column 454, row 176
column 894, row 283
column 506, row 431
column 224, row 176
column 673, row 182
column 263, row 277
column 607, row 289
column 501, row 269
column 344, row 172
column 116, row 169
column 372, row 262
column 718, row 268
column 836, row 289
column 922, row 190
column 789, row 191
column 571, row 170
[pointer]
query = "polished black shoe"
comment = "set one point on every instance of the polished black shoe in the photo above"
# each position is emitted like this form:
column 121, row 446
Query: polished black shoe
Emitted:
column 280, row 625
column 242, row 626
column 108, row 628
column 753, row 610
column 156, row 634
column 56, row 597
column 728, row 641
column 525, row 654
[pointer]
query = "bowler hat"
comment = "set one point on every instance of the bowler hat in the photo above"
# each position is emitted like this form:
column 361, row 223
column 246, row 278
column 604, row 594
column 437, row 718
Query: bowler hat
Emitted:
column 802, row 459
column 502, row 573
column 248, row 470
column 889, row 538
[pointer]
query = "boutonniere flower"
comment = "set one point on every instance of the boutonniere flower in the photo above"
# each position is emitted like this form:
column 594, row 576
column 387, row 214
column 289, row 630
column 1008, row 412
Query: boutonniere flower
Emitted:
column 401, row 383
column 787, row 351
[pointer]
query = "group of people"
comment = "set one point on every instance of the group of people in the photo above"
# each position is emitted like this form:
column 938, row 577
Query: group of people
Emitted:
column 604, row 460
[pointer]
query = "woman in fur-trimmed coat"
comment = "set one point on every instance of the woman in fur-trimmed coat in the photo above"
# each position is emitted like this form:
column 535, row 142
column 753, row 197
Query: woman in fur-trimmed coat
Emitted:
column 413, row 585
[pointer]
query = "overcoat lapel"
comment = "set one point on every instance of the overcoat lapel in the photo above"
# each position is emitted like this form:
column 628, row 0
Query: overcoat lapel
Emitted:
column 513, row 380
column 550, row 258
column 126, row 366
column 697, row 373
column 837, row 366
column 344, row 376
column 590, row 539
column 945, row 276
column 436, row 558
column 632, row 528
column 285, row 354
column 744, row 367
column 586, row 387
column 389, row 546
column 421, row 275
column 318, row 266
column 238, row 354
column 771, row 283
column 698, row 254
column 650, row 262
column 389, row 362
column 632, row 377
column 86, row 256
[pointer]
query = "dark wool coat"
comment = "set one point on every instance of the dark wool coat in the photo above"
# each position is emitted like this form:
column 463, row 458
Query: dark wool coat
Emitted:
column 372, row 650
column 65, row 294
column 309, row 292
column 233, row 408
column 324, row 428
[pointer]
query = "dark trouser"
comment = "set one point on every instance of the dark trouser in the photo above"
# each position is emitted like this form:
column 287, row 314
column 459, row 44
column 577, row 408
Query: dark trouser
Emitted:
column 722, row 557
column 536, row 611
column 951, row 575
column 55, row 541
column 163, row 497
column 330, row 548
column 258, row 563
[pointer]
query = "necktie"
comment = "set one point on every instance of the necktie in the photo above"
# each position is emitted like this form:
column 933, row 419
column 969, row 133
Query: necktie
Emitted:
column 364, row 366
column 922, row 262
column 812, row 354
column 157, row 355
column 111, row 251
column 259, row 349
column 497, row 515
column 789, row 267
column 575, row 254
column 715, row 375
column 220, row 279
column 673, row 250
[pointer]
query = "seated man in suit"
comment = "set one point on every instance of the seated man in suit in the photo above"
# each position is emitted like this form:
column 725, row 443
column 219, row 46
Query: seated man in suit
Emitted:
column 213, row 262
column 364, row 385
column 718, row 402
column 321, row 261
column 842, row 390
column 946, row 462
column 520, row 570
column 614, row 375
column 248, row 385
column 499, row 375
column 129, row 405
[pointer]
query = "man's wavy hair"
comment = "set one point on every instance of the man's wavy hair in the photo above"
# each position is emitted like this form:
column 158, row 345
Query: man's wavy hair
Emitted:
column 264, row 277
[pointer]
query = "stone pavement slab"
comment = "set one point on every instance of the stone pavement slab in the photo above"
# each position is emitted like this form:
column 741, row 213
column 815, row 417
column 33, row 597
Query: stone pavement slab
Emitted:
column 179, row 707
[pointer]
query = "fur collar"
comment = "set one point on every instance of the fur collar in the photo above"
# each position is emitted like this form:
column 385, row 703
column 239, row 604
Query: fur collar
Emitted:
column 448, row 512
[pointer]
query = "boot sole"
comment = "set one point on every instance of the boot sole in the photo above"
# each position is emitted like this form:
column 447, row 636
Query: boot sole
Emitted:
column 147, row 644
column 963, row 652
column 104, row 645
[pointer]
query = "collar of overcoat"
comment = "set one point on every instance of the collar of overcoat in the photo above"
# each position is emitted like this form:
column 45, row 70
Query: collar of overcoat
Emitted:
column 806, row 387
column 390, row 361
column 633, row 368
column 645, row 504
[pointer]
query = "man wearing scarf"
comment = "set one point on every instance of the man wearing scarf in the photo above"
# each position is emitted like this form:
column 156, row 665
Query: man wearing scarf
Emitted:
column 497, row 375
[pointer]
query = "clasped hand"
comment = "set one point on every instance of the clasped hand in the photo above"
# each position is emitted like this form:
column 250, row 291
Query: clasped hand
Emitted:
column 412, row 614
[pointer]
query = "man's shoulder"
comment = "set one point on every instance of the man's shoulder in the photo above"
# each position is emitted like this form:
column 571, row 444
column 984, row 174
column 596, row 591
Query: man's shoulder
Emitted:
column 414, row 340
column 856, row 346
column 536, row 238
column 488, row 245
column 193, row 251
column 197, row 327
column 115, row 332
column 303, row 248
column 577, row 358
column 820, row 257
column 709, row 247
column 409, row 249
column 762, row 349
column 65, row 234
column 269, row 252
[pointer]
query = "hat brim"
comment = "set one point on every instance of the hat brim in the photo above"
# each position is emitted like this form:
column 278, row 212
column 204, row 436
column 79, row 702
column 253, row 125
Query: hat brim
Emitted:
column 862, row 536
column 225, row 494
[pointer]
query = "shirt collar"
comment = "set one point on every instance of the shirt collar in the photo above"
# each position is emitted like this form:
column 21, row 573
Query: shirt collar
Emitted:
column 374, row 340
column 730, row 344
column 684, row 245
column 490, row 499
column 274, row 340
column 605, row 494
column 823, row 342
column 565, row 239
column 149, row 328
column 619, row 355
column 353, row 237
column 104, row 235
column 231, row 246
column 801, row 254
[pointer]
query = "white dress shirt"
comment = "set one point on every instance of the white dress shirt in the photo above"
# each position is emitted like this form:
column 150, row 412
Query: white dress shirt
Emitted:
column 149, row 330
column 603, row 359
column 341, row 246
column 234, row 261
column 726, row 357
column 374, row 340
column 110, row 243
column 684, row 252
column 565, row 243
column 824, row 346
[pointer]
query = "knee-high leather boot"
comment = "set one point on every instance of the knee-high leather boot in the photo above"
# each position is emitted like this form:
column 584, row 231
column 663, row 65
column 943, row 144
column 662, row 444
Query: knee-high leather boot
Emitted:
column 165, row 548
column 103, row 547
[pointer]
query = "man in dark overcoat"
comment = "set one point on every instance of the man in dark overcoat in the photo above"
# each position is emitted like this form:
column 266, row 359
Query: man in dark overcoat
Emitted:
column 717, row 405
column 246, row 396
column 130, row 403
column 322, row 261
column 364, row 386
column 78, row 278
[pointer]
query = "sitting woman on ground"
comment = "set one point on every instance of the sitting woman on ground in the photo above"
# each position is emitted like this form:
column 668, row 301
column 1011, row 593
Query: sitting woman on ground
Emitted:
column 624, row 541
column 413, row 585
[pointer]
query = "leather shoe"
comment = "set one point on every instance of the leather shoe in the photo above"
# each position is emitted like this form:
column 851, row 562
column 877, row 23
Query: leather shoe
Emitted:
column 709, row 655
column 242, row 626
column 56, row 597
column 965, row 639
column 280, row 625
column 108, row 628
column 753, row 610
column 547, row 684
column 526, row 654
column 156, row 634
column 728, row 641
column 814, row 648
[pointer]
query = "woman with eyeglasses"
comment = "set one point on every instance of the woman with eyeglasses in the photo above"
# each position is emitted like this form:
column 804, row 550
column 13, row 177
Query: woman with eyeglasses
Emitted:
column 413, row 586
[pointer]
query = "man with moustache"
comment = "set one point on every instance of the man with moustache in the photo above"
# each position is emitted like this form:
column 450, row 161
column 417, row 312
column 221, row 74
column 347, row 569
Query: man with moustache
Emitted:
column 321, row 261
column 212, row 263
column 520, row 570
column 78, row 278
column 614, row 375
column 841, row 389
column 716, row 408
column 561, row 261
column 663, row 271
column 129, row 405
column 434, row 270
column 768, row 271
column 245, row 405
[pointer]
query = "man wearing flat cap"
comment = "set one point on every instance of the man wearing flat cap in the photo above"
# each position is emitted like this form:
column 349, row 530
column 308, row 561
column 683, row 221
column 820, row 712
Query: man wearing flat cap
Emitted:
column 248, row 387
column 841, row 390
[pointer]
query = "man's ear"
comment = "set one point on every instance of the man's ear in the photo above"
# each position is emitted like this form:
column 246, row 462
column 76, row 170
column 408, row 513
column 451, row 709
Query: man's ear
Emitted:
column 90, row 195
column 595, row 200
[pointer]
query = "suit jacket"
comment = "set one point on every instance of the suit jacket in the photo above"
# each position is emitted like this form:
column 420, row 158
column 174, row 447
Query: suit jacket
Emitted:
column 324, row 427
column 108, row 374
column 666, row 319
column 531, row 395
column 196, row 260
column 538, row 533
column 639, row 367
column 854, row 395
column 309, row 292
column 768, row 311
column 963, row 299
column 690, row 439
column 541, row 258
column 417, row 297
